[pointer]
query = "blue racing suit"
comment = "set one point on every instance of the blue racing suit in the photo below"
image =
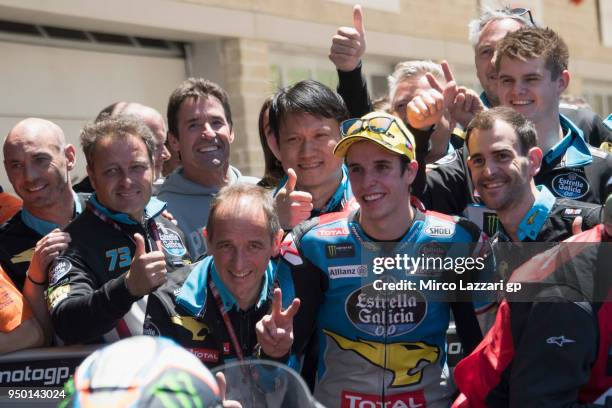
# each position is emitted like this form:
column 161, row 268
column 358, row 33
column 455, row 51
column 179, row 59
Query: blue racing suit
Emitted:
column 381, row 346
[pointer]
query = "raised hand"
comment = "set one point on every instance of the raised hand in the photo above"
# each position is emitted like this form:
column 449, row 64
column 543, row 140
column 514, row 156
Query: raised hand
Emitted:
column 427, row 108
column 46, row 250
column 467, row 104
column 292, row 206
column 275, row 331
column 348, row 45
column 148, row 270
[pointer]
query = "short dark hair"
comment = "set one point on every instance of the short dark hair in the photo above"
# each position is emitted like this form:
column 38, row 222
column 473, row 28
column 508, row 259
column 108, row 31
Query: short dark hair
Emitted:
column 307, row 96
column 120, row 126
column 195, row 88
column 524, row 129
column 531, row 42
column 257, row 195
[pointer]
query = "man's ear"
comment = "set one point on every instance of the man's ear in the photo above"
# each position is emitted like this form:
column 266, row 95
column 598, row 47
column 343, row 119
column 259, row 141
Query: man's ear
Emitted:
column 535, row 156
column 276, row 242
column 231, row 136
column 411, row 171
column 70, row 153
column 173, row 142
column 563, row 81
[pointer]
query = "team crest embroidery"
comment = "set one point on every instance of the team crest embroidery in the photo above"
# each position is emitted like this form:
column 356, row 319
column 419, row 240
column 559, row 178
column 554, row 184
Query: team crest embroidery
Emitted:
column 570, row 185
column 171, row 241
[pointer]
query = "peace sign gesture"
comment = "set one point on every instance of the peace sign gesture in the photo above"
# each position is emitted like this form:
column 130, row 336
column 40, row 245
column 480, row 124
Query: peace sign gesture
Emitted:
column 275, row 331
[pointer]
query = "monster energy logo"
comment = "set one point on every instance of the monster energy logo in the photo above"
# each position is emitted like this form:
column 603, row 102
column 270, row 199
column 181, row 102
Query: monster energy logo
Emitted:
column 340, row 251
column 183, row 392
column 490, row 223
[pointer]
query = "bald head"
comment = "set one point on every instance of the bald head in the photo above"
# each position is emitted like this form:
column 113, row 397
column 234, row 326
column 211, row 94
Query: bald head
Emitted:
column 154, row 121
column 38, row 161
column 35, row 130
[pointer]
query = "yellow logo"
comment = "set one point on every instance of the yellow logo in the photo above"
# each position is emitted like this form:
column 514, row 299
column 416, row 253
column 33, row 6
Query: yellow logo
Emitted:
column 56, row 295
column 25, row 256
column 405, row 360
column 531, row 219
column 193, row 325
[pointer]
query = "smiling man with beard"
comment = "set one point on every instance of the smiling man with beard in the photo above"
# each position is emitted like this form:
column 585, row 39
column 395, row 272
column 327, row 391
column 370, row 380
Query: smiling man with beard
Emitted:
column 201, row 130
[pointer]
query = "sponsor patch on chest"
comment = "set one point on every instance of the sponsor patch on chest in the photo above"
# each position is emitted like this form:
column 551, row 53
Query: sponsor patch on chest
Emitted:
column 171, row 241
column 379, row 313
column 570, row 185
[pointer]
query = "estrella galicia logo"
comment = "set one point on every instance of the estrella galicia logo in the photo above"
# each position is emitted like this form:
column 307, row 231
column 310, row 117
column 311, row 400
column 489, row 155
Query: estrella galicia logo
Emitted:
column 391, row 314
column 171, row 241
column 59, row 270
column 570, row 185
column 333, row 251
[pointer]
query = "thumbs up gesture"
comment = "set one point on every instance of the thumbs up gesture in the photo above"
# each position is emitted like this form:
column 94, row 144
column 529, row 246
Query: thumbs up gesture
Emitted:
column 348, row 45
column 148, row 270
column 292, row 206
column 275, row 331
column 427, row 108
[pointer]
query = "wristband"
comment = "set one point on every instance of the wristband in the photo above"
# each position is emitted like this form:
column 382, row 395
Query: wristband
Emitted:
column 45, row 283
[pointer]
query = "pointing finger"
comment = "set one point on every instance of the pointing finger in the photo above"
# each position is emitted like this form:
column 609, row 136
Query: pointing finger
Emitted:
column 448, row 74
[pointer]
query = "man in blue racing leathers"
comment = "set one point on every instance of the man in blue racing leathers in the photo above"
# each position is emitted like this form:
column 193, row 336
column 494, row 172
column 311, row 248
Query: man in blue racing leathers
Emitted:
column 381, row 321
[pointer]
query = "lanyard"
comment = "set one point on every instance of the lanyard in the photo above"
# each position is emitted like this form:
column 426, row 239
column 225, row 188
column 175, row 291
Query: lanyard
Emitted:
column 151, row 224
column 226, row 320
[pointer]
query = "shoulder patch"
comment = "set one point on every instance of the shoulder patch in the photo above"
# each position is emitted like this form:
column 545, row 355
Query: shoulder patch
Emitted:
column 58, row 270
column 289, row 252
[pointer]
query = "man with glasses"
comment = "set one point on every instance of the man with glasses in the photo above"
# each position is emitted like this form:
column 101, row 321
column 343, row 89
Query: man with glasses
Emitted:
column 380, row 345
column 484, row 34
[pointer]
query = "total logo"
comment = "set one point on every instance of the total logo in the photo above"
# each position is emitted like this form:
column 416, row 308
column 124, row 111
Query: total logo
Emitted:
column 333, row 232
column 205, row 355
column 405, row 400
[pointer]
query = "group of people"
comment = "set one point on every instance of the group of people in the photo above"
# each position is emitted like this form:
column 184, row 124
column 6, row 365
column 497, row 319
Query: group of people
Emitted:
column 308, row 266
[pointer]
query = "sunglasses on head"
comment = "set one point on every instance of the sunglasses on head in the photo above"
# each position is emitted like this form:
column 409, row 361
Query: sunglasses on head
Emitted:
column 520, row 12
column 377, row 124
